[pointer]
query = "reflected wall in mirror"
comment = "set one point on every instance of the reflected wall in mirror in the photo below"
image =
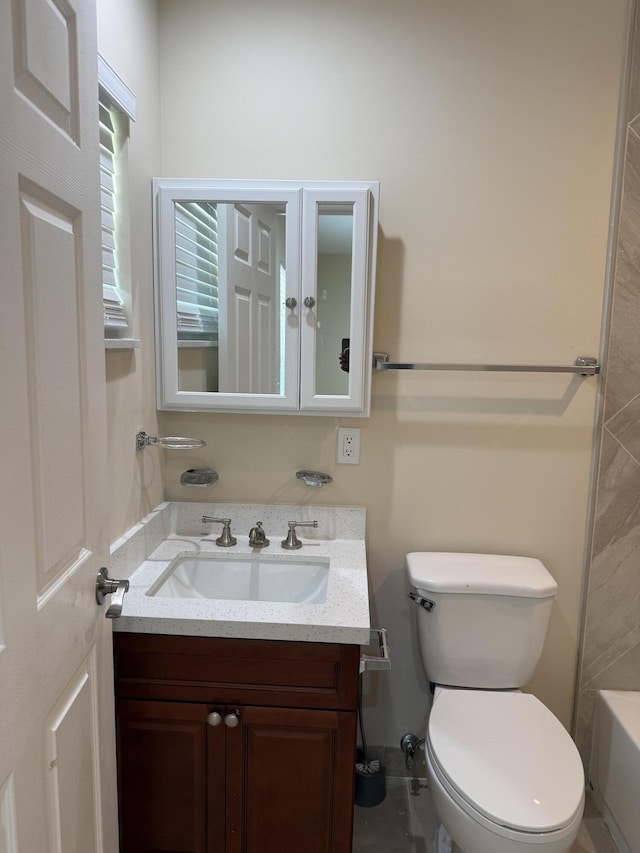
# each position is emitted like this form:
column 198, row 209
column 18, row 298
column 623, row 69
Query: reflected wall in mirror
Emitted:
column 333, row 314
column 264, row 295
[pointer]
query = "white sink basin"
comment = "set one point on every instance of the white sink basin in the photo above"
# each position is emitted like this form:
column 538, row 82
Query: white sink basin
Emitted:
column 249, row 578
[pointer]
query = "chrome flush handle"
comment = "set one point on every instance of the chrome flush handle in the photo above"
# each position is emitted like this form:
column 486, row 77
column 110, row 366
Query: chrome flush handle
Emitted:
column 115, row 588
column 423, row 602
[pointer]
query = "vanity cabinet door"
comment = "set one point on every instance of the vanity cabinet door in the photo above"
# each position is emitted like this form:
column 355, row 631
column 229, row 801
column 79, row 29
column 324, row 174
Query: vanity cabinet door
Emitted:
column 290, row 781
column 171, row 768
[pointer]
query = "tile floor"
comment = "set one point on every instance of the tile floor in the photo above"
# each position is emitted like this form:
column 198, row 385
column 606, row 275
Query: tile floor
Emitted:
column 406, row 823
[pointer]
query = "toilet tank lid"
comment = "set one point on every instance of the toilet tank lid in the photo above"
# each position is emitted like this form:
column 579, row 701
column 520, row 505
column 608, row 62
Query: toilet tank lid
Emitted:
column 482, row 574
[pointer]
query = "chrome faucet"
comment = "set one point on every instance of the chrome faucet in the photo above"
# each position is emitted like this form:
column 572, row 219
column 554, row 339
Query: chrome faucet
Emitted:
column 225, row 540
column 291, row 543
column 257, row 538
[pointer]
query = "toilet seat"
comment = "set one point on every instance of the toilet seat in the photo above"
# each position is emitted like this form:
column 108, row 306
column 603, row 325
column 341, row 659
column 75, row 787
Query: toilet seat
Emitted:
column 504, row 757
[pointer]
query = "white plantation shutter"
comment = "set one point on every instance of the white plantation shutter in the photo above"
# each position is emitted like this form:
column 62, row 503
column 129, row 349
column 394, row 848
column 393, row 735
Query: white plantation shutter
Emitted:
column 197, row 268
column 114, row 314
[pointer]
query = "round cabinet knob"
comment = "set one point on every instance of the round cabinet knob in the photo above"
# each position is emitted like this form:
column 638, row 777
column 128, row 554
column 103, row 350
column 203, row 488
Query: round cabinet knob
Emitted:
column 291, row 302
column 231, row 721
column 214, row 718
column 309, row 301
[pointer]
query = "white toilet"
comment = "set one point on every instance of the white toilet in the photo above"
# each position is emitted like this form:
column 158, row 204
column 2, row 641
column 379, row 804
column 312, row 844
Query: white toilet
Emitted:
column 504, row 774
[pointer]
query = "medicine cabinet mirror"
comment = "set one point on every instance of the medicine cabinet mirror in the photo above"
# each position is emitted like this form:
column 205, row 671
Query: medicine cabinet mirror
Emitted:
column 264, row 295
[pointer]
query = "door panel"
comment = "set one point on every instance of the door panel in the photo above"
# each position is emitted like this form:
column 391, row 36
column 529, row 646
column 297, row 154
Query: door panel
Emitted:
column 71, row 755
column 45, row 48
column 164, row 758
column 50, row 246
column 57, row 748
column 290, row 777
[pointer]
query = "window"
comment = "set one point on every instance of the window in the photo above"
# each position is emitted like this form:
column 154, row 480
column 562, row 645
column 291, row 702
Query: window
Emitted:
column 114, row 313
column 116, row 108
column 197, row 269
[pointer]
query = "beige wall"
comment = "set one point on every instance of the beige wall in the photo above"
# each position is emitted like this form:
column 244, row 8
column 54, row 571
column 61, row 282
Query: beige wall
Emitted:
column 127, row 40
column 491, row 129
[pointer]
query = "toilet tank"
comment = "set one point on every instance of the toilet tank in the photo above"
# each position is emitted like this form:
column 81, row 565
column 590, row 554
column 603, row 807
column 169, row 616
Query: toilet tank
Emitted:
column 488, row 618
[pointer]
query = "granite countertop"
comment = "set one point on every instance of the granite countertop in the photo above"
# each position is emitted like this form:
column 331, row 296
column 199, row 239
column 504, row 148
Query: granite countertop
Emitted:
column 342, row 618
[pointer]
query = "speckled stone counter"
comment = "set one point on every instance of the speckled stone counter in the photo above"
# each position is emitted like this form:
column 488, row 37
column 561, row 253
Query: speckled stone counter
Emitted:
column 342, row 618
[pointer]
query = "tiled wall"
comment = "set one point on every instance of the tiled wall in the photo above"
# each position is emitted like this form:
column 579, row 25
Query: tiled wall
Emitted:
column 611, row 646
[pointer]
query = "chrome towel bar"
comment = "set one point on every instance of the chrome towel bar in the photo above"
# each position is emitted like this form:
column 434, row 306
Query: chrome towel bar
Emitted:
column 583, row 366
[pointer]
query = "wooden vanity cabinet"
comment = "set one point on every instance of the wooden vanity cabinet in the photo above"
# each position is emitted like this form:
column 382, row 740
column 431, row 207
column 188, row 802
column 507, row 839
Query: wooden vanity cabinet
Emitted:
column 279, row 781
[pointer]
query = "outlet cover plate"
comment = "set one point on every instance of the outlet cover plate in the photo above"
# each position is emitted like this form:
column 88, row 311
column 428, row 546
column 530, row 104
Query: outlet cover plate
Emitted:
column 348, row 446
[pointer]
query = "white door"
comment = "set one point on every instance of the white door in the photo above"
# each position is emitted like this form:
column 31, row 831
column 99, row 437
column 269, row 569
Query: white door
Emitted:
column 249, row 304
column 57, row 757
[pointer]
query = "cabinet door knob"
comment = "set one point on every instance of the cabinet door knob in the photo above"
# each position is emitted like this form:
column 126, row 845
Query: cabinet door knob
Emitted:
column 232, row 720
column 291, row 302
column 309, row 301
column 214, row 718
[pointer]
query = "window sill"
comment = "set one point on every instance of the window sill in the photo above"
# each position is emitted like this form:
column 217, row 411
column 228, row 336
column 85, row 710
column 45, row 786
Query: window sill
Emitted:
column 197, row 345
column 121, row 343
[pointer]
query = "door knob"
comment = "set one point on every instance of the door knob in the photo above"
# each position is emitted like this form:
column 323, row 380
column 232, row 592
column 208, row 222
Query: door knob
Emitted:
column 309, row 301
column 214, row 718
column 291, row 302
column 232, row 720
column 109, row 586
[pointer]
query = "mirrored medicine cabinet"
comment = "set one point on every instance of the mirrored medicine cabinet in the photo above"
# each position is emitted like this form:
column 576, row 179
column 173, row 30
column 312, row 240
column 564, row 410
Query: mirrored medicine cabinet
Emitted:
column 264, row 295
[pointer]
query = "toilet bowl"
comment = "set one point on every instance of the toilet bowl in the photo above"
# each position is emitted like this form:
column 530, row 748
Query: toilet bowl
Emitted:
column 504, row 774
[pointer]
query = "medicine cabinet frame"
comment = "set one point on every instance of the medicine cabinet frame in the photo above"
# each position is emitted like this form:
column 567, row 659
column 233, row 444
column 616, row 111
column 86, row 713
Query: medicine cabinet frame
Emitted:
column 304, row 202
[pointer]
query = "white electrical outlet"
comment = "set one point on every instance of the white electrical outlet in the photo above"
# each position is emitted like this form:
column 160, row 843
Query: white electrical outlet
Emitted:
column 348, row 446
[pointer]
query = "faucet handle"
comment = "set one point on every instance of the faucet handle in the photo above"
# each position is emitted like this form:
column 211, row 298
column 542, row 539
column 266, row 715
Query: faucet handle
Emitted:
column 225, row 540
column 292, row 542
column 257, row 537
